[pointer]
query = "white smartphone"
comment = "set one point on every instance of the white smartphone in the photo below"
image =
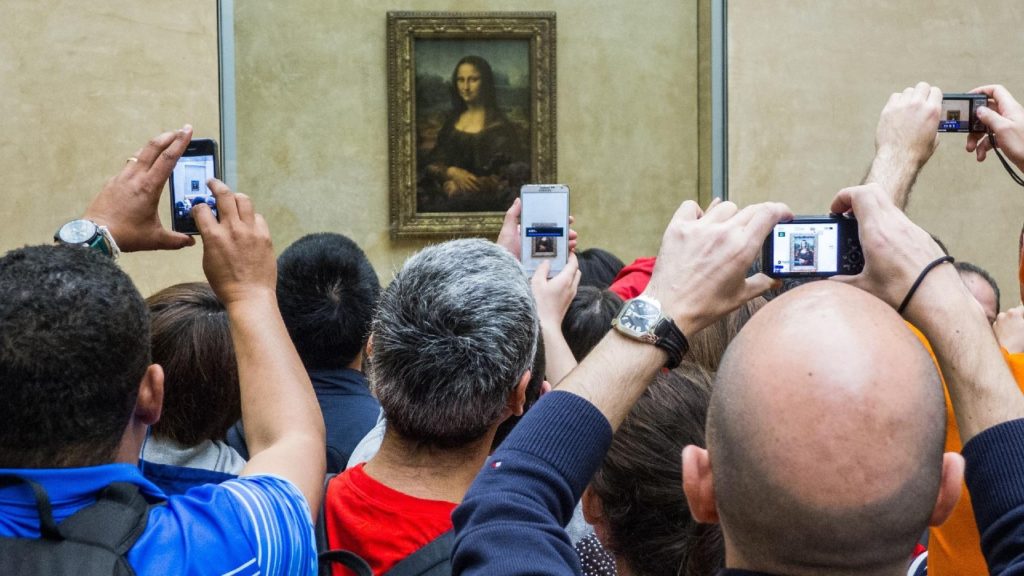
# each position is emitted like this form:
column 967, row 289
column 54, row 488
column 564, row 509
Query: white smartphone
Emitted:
column 544, row 224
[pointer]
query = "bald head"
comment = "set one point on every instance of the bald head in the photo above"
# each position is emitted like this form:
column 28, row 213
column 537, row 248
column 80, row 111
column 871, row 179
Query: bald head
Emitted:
column 825, row 434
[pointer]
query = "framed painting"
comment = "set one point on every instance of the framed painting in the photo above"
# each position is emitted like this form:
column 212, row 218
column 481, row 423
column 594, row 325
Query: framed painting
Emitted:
column 471, row 117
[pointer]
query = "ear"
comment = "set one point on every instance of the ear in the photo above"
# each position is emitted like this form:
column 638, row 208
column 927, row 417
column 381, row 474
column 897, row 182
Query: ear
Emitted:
column 949, row 487
column 369, row 346
column 517, row 397
column 593, row 513
column 150, row 401
column 698, row 485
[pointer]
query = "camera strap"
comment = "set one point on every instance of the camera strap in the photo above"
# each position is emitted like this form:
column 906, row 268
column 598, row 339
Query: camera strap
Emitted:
column 1013, row 173
column 920, row 278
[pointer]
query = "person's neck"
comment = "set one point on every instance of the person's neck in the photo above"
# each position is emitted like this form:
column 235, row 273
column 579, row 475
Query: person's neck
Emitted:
column 736, row 562
column 428, row 472
column 357, row 363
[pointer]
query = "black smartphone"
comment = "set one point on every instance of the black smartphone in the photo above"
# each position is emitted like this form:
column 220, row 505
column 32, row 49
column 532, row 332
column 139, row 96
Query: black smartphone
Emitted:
column 188, row 183
column 544, row 226
column 813, row 246
column 960, row 113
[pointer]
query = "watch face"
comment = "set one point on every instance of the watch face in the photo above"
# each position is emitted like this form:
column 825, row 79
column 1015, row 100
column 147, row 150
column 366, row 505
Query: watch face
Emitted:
column 639, row 316
column 77, row 232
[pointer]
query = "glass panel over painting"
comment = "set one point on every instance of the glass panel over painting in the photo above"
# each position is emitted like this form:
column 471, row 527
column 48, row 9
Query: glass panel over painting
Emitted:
column 472, row 123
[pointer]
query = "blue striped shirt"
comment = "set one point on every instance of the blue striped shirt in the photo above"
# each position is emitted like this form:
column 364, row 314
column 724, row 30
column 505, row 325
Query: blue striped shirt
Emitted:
column 254, row 525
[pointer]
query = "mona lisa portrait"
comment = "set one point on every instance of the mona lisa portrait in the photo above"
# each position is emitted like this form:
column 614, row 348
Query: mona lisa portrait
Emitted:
column 481, row 111
column 473, row 157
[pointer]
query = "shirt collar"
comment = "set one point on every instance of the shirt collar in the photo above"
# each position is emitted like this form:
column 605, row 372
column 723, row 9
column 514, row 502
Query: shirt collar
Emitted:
column 71, row 486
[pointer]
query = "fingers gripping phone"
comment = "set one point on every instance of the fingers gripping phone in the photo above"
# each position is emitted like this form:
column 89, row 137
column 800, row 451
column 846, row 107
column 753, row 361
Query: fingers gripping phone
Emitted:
column 960, row 113
column 813, row 246
column 188, row 184
column 544, row 225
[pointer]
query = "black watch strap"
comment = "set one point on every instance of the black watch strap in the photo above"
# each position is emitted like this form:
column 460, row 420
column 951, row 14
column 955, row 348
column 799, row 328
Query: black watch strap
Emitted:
column 671, row 340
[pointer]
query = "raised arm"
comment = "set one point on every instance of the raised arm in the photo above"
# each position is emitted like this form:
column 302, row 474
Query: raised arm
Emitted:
column 510, row 521
column 553, row 299
column 986, row 400
column 284, row 428
column 699, row 276
column 896, row 251
column 906, row 137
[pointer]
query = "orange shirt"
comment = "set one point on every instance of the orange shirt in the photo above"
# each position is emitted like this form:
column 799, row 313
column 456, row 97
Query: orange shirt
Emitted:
column 954, row 548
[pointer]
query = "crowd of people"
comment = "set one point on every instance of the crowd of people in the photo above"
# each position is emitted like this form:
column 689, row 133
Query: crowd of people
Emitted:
column 466, row 419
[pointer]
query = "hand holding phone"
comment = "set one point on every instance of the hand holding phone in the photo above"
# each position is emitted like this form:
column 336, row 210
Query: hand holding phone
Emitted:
column 188, row 184
column 544, row 227
column 813, row 246
column 128, row 203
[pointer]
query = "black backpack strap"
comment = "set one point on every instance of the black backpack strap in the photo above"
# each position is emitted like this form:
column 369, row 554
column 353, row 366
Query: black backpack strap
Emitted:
column 114, row 522
column 47, row 527
column 321, row 519
column 435, row 558
column 347, row 559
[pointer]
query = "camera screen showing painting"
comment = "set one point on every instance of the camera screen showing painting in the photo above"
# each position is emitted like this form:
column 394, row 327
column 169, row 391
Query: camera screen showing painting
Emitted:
column 545, row 226
column 960, row 113
column 806, row 247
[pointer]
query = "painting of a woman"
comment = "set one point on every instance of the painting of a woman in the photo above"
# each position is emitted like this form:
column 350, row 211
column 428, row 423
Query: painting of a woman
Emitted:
column 479, row 158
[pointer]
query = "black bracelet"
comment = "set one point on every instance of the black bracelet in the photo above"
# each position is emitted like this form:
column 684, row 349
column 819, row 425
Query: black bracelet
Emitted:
column 920, row 278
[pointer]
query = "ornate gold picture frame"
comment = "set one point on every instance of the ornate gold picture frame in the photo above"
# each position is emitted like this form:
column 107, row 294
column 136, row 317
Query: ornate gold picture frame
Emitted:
column 471, row 117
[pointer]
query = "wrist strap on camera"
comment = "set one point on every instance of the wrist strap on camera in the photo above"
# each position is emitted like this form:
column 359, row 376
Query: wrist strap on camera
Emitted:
column 1013, row 173
column 920, row 278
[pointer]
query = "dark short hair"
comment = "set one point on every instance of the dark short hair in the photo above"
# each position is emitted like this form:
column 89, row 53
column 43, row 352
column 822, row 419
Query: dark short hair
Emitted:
column 589, row 318
column 454, row 333
column 598, row 267
column 327, row 290
column 968, row 268
column 192, row 342
column 73, row 351
column 639, row 482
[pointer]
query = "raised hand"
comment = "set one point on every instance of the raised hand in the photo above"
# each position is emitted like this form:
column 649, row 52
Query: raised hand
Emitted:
column 128, row 203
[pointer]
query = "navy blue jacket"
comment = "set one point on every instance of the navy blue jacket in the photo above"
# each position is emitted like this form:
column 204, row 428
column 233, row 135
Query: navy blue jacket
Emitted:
column 510, row 522
column 349, row 410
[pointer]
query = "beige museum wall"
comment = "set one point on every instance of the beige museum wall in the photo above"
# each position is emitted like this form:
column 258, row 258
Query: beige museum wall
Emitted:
column 312, row 116
column 82, row 86
column 808, row 78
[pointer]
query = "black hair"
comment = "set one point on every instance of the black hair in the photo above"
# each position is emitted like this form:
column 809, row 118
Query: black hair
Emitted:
column 589, row 318
column 73, row 351
column 327, row 291
column 598, row 267
column 192, row 342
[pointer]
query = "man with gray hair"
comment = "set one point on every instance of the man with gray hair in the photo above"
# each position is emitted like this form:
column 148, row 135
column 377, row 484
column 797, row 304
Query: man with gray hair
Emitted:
column 450, row 354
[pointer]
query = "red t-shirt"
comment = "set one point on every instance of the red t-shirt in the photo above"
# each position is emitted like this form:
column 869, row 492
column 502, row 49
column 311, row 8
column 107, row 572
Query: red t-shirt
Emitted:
column 380, row 524
column 633, row 279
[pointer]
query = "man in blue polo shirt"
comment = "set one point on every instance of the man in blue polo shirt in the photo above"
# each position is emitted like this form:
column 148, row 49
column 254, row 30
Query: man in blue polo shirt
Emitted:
column 79, row 392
